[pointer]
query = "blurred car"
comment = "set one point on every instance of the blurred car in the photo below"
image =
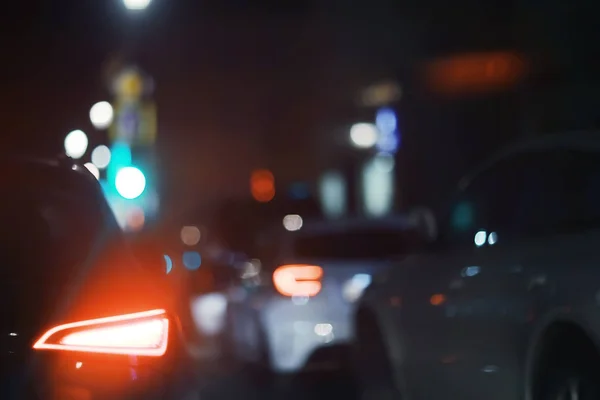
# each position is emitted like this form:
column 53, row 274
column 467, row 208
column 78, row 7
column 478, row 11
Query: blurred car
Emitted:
column 503, row 302
column 309, row 290
column 81, row 318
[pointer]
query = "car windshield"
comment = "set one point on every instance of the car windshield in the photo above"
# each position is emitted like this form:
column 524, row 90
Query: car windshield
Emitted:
column 368, row 243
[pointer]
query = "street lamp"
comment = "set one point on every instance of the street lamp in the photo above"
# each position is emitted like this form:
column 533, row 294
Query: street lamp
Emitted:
column 136, row 4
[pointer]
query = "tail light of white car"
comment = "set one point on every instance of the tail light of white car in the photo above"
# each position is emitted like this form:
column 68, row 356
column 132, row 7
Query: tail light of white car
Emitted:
column 298, row 280
column 139, row 334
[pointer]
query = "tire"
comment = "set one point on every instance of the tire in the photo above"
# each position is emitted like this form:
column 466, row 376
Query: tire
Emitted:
column 372, row 366
column 570, row 383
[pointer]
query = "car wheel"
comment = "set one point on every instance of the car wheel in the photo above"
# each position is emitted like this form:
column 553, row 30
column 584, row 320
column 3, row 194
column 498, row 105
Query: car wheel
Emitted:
column 372, row 365
column 570, row 384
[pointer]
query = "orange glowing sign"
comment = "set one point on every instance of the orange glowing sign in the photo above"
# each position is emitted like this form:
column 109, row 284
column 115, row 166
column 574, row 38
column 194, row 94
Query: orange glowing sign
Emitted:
column 475, row 72
column 262, row 185
column 298, row 280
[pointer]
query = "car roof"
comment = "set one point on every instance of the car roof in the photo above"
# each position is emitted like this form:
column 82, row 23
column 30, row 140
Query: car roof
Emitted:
column 319, row 227
column 588, row 141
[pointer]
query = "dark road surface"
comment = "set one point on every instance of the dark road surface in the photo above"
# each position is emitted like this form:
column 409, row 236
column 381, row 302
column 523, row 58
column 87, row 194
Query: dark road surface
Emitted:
column 240, row 385
column 334, row 380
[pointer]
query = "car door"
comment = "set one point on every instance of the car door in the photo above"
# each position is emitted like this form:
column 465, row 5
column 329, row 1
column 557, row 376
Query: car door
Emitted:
column 492, row 301
column 525, row 195
column 454, row 302
column 437, row 313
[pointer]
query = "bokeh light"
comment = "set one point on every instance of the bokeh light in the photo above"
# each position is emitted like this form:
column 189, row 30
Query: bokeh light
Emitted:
column 93, row 169
column 363, row 135
column 101, row 156
column 101, row 115
column 136, row 219
column 168, row 264
column 333, row 194
column 192, row 260
column 262, row 185
column 292, row 222
column 76, row 144
column 136, row 4
column 190, row 235
column 130, row 182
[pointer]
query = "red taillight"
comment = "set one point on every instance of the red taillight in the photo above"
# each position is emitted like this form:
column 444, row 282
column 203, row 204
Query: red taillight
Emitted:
column 143, row 334
column 298, row 280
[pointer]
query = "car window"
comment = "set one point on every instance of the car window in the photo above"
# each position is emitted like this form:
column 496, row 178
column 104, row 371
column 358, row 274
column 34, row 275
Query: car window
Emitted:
column 358, row 244
column 50, row 229
column 561, row 195
column 529, row 194
column 488, row 202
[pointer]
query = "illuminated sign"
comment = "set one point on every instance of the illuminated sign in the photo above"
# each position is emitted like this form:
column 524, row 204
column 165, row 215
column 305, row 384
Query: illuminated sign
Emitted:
column 475, row 72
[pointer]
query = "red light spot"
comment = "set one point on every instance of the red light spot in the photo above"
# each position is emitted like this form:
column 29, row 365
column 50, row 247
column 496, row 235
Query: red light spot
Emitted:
column 262, row 185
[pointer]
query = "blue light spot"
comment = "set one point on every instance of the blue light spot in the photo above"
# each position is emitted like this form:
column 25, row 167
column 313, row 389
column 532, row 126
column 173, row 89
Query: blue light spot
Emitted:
column 389, row 137
column 386, row 120
column 192, row 260
column 168, row 263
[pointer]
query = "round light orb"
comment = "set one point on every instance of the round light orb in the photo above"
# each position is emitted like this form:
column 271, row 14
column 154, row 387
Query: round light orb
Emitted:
column 136, row 4
column 101, row 115
column 130, row 182
column 76, row 144
column 292, row 222
column 101, row 156
column 190, row 235
column 363, row 135
column 93, row 169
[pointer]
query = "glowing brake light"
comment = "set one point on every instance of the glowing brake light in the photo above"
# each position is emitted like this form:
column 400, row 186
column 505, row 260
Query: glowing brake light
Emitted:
column 143, row 334
column 298, row 280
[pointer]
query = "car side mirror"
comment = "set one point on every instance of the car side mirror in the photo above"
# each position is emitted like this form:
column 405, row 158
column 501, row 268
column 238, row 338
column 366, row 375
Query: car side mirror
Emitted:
column 423, row 220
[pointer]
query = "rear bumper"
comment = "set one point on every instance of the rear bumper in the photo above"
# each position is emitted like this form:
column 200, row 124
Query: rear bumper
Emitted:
column 75, row 376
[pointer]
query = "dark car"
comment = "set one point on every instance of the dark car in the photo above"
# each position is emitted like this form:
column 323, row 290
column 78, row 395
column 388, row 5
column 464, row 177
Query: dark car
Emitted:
column 81, row 319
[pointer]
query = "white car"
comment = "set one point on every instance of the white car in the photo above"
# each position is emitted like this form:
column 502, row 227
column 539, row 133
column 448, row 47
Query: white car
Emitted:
column 504, row 302
column 308, row 295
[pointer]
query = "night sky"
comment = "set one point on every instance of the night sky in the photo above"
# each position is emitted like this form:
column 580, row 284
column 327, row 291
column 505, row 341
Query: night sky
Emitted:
column 242, row 84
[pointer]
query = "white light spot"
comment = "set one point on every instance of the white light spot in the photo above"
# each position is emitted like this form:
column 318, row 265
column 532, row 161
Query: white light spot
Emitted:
column 101, row 115
column 101, row 156
column 323, row 329
column 480, row 238
column 78, row 364
column 364, row 135
column 137, row 4
column 130, row 182
column 292, row 222
column 354, row 288
column 471, row 271
column 93, row 169
column 76, row 144
column 209, row 312
column 492, row 238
